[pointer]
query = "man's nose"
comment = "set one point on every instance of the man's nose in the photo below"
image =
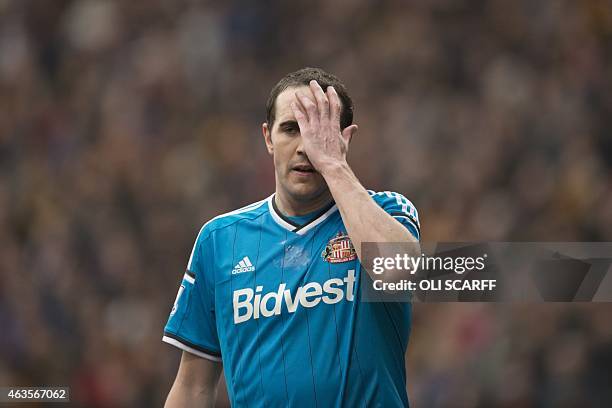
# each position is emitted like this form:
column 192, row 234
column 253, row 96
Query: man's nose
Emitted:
column 300, row 147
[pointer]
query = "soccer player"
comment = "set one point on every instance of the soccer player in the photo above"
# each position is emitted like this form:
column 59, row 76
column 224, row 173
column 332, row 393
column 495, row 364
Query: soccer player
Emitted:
column 272, row 290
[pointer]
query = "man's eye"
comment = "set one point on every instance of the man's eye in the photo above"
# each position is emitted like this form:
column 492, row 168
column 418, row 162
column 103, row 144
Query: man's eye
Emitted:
column 291, row 129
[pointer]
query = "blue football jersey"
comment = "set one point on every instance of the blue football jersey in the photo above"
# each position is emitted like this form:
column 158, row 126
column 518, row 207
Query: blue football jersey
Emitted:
column 279, row 304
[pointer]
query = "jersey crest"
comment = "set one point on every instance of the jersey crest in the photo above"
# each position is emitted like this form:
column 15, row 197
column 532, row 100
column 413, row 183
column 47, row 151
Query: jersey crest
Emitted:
column 339, row 249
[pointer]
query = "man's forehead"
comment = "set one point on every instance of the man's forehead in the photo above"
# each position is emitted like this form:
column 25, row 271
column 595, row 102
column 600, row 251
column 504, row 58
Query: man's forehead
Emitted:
column 284, row 99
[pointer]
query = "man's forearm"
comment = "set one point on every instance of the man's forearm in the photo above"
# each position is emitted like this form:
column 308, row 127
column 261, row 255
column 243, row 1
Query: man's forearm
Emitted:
column 187, row 396
column 365, row 221
column 195, row 384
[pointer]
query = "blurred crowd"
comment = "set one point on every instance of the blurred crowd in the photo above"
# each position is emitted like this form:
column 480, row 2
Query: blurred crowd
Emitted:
column 125, row 125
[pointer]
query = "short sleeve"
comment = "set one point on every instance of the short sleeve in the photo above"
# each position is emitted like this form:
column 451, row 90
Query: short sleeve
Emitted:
column 400, row 208
column 191, row 325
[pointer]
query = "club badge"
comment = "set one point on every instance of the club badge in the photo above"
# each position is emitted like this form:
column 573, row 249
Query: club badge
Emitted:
column 339, row 249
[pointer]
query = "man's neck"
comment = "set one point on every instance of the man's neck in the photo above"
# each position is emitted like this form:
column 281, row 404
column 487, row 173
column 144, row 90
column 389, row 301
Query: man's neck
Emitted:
column 292, row 207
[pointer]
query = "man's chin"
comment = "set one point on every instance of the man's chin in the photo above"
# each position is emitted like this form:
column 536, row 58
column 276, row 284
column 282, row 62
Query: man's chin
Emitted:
column 305, row 192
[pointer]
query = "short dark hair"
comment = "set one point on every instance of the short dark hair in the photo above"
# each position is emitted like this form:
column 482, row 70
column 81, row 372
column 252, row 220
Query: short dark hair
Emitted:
column 303, row 77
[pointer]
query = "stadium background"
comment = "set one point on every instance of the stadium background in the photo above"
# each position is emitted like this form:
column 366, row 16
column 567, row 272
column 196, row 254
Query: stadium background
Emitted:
column 126, row 125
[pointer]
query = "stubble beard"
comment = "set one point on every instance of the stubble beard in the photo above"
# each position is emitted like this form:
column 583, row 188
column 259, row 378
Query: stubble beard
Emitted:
column 304, row 193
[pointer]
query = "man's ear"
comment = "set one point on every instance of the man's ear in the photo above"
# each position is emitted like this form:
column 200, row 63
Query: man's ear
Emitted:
column 267, row 134
column 349, row 132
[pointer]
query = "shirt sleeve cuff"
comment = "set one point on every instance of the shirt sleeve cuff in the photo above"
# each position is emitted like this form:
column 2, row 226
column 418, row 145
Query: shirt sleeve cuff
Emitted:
column 190, row 347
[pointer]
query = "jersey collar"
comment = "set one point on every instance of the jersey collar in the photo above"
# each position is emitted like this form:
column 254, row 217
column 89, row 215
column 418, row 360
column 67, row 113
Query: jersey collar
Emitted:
column 297, row 228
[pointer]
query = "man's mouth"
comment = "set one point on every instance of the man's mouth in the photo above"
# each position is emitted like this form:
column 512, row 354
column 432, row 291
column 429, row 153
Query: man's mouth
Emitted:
column 303, row 168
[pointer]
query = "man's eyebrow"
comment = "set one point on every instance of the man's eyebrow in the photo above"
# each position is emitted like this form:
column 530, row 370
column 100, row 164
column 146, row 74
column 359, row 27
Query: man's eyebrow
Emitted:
column 288, row 123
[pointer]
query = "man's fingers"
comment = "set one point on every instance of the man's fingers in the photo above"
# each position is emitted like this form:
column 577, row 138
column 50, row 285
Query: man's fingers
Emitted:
column 300, row 116
column 322, row 101
column 334, row 105
column 307, row 105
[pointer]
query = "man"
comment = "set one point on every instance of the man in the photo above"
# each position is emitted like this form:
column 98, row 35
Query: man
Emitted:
column 272, row 290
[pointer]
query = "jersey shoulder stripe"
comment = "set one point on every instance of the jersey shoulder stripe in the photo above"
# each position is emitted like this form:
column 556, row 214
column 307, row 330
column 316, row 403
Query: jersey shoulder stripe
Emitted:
column 250, row 211
column 401, row 203
column 398, row 207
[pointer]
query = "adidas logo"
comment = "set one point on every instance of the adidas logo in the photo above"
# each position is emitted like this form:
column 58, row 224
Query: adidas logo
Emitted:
column 243, row 266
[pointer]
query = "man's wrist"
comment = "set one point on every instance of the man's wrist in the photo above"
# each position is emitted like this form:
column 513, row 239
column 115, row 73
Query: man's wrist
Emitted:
column 331, row 170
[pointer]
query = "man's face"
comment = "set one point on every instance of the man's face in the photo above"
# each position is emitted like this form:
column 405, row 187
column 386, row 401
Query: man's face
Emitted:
column 294, row 173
